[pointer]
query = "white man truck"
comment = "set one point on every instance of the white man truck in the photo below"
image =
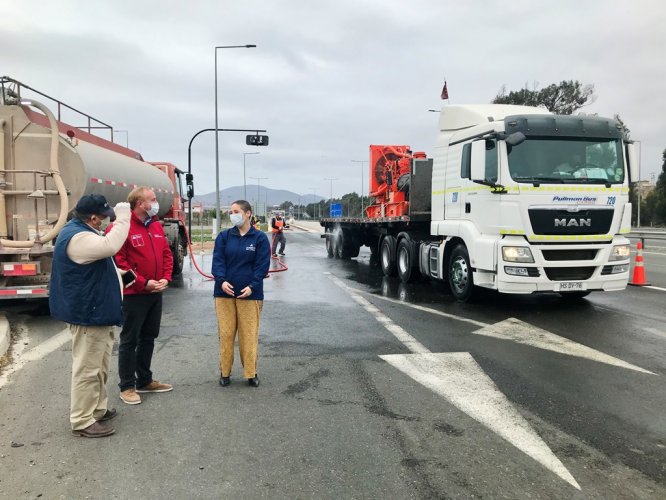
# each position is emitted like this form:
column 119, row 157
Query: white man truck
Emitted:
column 516, row 200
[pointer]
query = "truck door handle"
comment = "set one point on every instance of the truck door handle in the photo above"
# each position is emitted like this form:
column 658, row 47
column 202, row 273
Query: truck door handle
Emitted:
column 468, row 208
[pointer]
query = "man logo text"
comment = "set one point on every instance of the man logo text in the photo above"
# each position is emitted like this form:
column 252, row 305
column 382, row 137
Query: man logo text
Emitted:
column 573, row 223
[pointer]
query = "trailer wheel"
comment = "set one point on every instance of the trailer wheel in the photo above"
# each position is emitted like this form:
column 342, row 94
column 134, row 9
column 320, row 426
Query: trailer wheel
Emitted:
column 387, row 255
column 460, row 276
column 329, row 244
column 405, row 262
column 343, row 245
column 178, row 256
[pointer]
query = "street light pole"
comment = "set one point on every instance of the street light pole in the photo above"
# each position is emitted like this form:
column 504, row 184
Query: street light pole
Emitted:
column 362, row 185
column 244, row 181
column 217, row 142
column 330, row 203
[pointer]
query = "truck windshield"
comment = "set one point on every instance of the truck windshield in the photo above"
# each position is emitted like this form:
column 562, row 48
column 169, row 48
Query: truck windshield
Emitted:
column 567, row 161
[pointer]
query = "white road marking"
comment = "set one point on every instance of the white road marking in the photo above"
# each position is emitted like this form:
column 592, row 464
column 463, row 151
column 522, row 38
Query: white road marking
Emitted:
column 458, row 378
column 655, row 288
column 655, row 331
column 523, row 333
column 398, row 332
column 36, row 353
column 462, row 382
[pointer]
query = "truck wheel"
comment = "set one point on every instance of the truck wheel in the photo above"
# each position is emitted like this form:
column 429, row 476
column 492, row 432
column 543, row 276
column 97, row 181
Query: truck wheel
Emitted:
column 343, row 243
column 329, row 244
column 460, row 277
column 178, row 256
column 387, row 255
column 407, row 272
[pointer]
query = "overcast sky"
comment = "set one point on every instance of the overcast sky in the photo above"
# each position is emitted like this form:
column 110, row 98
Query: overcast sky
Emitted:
column 327, row 78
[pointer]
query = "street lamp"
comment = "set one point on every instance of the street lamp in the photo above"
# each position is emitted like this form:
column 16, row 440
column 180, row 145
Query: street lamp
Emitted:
column 259, row 179
column 314, row 201
column 217, row 145
column 126, row 136
column 331, row 179
column 361, row 162
column 244, row 181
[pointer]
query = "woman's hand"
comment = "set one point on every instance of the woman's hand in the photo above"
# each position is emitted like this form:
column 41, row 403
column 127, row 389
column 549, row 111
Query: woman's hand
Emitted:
column 245, row 292
column 227, row 288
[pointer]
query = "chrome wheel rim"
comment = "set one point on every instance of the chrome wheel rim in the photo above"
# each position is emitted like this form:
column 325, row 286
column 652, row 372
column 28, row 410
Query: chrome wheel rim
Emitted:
column 459, row 274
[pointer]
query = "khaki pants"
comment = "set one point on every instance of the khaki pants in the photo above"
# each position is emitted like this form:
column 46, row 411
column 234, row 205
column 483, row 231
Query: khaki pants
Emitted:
column 91, row 354
column 243, row 316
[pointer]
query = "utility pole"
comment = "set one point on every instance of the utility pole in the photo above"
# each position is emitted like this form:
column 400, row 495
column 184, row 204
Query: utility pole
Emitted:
column 259, row 179
column 362, row 185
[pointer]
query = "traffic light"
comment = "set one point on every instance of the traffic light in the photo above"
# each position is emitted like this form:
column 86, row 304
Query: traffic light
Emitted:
column 256, row 140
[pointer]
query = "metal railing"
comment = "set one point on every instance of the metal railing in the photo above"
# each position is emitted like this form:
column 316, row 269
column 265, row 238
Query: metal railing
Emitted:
column 648, row 234
column 11, row 92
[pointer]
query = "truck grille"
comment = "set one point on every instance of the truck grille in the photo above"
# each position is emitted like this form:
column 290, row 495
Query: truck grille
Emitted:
column 568, row 273
column 585, row 221
column 580, row 254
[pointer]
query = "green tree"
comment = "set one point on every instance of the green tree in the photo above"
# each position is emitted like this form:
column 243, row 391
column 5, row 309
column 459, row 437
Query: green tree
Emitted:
column 561, row 98
column 660, row 194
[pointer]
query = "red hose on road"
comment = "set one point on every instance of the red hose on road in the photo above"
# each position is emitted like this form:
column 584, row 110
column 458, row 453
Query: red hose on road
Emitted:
column 283, row 267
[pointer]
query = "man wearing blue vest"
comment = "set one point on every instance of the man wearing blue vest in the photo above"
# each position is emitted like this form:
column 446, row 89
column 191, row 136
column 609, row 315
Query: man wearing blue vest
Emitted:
column 86, row 293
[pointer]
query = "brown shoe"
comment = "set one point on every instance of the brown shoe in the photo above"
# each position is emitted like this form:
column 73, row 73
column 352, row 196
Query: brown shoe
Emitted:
column 130, row 397
column 95, row 430
column 155, row 386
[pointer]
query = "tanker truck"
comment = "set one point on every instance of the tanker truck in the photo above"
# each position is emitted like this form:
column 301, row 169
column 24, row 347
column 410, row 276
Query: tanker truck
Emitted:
column 516, row 200
column 46, row 165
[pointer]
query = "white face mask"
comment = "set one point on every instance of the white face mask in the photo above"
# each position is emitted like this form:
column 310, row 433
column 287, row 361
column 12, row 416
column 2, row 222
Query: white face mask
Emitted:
column 236, row 219
column 154, row 208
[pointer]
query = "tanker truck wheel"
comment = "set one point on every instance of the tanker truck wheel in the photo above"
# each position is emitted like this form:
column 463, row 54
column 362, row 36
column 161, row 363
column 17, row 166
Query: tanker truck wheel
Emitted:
column 178, row 256
column 460, row 274
column 387, row 255
column 406, row 263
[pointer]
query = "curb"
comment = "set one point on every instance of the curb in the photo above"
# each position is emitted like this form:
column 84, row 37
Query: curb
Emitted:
column 307, row 229
column 4, row 334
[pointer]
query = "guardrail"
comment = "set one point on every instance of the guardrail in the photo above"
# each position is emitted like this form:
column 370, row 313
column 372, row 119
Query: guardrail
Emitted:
column 648, row 234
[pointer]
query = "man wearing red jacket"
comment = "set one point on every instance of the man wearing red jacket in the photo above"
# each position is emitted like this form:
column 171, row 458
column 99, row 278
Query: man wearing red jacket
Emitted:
column 146, row 252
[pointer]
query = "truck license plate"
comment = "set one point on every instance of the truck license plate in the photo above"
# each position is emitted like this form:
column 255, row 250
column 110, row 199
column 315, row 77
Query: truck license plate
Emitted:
column 571, row 286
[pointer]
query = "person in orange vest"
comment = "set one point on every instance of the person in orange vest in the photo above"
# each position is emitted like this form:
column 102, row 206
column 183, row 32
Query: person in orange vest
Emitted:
column 277, row 223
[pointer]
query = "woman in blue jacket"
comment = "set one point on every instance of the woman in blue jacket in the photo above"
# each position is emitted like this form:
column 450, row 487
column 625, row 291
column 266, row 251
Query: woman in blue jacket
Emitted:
column 241, row 260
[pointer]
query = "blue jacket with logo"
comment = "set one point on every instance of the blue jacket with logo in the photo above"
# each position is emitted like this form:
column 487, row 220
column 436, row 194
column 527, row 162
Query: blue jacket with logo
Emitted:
column 83, row 294
column 242, row 261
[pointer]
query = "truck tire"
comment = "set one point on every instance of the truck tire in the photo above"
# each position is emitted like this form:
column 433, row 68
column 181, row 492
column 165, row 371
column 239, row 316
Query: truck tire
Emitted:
column 405, row 261
column 387, row 255
column 178, row 256
column 330, row 249
column 343, row 244
column 460, row 276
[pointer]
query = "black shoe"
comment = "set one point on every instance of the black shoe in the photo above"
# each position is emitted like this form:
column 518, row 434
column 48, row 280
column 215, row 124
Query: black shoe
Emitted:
column 253, row 382
column 225, row 381
column 108, row 415
column 282, row 253
column 274, row 255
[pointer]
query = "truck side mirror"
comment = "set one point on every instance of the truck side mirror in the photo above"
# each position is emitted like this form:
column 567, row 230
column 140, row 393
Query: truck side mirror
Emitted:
column 632, row 162
column 256, row 140
column 190, row 191
column 478, row 163
column 189, row 178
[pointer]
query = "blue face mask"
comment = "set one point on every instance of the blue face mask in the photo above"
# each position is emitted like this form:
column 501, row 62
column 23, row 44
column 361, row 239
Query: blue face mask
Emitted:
column 236, row 219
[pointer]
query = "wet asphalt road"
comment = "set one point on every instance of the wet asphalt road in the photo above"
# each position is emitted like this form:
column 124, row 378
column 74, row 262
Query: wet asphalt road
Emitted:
column 334, row 420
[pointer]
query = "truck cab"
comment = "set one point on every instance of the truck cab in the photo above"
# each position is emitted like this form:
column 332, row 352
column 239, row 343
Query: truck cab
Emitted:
column 525, row 201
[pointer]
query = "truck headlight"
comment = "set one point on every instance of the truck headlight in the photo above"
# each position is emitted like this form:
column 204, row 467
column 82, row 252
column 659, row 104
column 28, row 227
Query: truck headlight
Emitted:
column 517, row 254
column 620, row 252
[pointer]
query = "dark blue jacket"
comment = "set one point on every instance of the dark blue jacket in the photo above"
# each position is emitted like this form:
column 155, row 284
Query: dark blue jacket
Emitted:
column 83, row 294
column 242, row 261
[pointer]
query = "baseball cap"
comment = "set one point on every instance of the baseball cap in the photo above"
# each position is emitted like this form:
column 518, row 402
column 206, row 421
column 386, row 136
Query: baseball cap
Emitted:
column 94, row 204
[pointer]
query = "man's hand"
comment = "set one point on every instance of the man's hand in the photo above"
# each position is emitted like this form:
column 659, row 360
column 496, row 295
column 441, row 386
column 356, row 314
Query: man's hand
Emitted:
column 153, row 286
column 122, row 210
column 227, row 288
column 245, row 292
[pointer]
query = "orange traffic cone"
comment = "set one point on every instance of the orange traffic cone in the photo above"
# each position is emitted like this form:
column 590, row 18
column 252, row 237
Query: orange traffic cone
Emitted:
column 639, row 268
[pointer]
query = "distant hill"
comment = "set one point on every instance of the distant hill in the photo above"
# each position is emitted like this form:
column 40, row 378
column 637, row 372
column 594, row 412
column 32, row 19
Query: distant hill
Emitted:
column 266, row 195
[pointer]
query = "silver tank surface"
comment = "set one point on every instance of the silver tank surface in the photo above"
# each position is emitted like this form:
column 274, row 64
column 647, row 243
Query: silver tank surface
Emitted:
column 31, row 203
